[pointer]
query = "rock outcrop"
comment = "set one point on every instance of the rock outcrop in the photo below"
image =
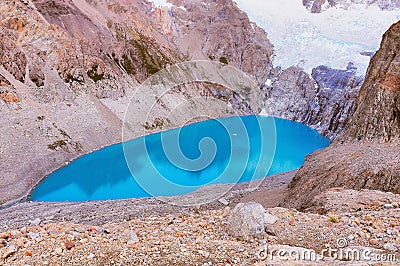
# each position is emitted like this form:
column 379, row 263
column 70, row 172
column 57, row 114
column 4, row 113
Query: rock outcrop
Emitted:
column 317, row 6
column 325, row 101
column 366, row 155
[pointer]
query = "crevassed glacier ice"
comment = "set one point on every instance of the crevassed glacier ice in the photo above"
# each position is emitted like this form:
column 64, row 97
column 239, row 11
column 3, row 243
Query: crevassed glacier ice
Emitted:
column 333, row 38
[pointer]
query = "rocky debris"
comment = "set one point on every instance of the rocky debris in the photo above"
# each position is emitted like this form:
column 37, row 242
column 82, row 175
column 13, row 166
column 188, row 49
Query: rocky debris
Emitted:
column 336, row 200
column 390, row 247
column 173, row 239
column 318, row 6
column 9, row 97
column 247, row 221
column 224, row 201
column 366, row 155
column 370, row 166
column 201, row 237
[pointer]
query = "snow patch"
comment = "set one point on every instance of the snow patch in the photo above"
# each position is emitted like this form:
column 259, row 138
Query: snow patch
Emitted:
column 160, row 3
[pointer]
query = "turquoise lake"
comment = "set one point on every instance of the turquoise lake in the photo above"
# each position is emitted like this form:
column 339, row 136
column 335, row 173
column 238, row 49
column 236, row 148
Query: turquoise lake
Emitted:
column 179, row 161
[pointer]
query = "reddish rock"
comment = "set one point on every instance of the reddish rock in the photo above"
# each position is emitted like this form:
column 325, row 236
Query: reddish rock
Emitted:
column 69, row 245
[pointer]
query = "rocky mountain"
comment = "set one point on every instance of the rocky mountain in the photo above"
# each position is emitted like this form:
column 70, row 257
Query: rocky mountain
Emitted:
column 325, row 100
column 317, row 6
column 68, row 70
column 366, row 155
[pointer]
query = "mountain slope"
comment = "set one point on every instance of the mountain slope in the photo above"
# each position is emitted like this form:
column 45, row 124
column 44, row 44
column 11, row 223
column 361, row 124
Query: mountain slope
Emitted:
column 70, row 67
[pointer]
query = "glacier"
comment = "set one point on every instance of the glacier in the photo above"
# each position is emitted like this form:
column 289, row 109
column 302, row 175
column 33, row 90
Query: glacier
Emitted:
column 333, row 38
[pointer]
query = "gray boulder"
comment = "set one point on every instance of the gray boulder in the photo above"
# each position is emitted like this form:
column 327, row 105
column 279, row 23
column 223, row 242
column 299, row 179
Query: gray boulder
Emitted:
column 247, row 221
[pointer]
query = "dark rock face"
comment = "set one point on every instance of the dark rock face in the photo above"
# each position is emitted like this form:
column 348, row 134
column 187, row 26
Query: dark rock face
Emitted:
column 335, row 100
column 324, row 101
column 315, row 6
column 290, row 95
column 367, row 154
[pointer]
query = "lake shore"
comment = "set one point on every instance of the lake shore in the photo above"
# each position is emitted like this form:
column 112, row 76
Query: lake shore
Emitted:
column 270, row 191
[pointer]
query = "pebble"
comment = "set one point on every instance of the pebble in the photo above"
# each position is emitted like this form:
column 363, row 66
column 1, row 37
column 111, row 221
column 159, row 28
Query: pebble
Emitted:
column 270, row 219
column 390, row 247
column 132, row 237
column 69, row 245
column 5, row 235
column 224, row 201
column 34, row 235
column 388, row 206
column 58, row 251
column 36, row 222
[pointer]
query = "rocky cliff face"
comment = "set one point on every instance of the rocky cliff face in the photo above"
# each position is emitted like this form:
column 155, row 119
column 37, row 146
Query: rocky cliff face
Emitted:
column 69, row 67
column 317, row 6
column 366, row 156
column 378, row 109
column 325, row 101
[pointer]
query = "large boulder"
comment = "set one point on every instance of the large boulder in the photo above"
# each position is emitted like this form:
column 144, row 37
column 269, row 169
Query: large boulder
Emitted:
column 247, row 221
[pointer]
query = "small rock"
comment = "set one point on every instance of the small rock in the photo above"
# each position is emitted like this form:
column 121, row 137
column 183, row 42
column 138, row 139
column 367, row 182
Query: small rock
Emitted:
column 80, row 229
column 351, row 237
column 270, row 219
column 36, row 222
column 390, row 247
column 5, row 235
column 69, row 245
column 23, row 230
column 132, row 237
column 90, row 256
column 380, row 235
column 224, row 201
column 246, row 221
column 9, row 251
column 34, row 235
column 28, row 253
column 58, row 251
column 388, row 206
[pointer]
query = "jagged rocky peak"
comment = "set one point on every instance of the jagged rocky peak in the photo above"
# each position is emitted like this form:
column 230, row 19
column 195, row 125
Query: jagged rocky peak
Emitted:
column 227, row 35
column 325, row 101
column 377, row 116
column 317, row 6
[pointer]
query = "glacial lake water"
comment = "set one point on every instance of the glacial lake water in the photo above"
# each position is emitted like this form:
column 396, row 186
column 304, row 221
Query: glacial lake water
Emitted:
column 179, row 161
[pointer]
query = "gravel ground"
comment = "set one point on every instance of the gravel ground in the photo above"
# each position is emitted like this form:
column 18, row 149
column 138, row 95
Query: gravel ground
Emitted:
column 160, row 235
